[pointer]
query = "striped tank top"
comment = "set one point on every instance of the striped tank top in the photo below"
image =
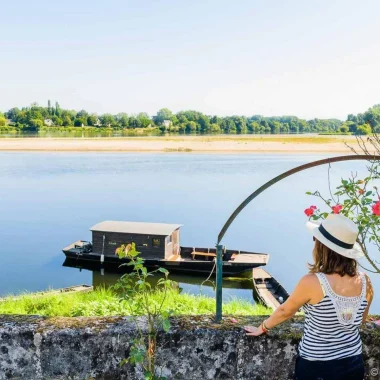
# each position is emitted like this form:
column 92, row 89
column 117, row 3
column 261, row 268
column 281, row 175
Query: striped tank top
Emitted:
column 332, row 325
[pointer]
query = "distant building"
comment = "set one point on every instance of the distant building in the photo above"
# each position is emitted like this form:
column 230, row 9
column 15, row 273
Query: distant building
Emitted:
column 48, row 122
column 167, row 123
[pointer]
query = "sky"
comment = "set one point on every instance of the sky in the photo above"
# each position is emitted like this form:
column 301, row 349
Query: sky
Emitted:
column 270, row 57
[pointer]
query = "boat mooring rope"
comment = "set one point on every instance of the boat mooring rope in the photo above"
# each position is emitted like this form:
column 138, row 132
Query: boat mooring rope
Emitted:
column 208, row 278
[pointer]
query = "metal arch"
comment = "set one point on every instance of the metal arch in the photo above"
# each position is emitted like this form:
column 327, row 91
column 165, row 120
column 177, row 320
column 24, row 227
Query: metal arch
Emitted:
column 287, row 174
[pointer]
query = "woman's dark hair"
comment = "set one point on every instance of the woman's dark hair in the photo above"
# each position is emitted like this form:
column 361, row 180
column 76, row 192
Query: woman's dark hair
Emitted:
column 327, row 261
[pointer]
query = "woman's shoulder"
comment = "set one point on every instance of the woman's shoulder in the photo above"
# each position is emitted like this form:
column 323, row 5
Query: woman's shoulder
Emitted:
column 309, row 280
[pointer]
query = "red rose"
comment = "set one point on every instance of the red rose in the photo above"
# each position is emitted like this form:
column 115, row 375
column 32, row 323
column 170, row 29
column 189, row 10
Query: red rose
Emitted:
column 313, row 207
column 376, row 208
column 336, row 209
column 309, row 211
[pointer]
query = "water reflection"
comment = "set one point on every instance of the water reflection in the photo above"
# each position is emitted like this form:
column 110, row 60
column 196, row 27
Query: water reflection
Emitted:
column 236, row 287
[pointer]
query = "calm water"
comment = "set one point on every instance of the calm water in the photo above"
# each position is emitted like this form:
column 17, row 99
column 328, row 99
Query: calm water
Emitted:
column 48, row 200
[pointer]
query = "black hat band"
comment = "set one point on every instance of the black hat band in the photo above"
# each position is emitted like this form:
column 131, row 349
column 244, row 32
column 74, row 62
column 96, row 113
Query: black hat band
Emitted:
column 333, row 239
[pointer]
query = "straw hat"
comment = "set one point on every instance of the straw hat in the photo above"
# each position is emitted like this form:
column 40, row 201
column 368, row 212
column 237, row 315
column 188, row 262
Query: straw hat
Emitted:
column 337, row 233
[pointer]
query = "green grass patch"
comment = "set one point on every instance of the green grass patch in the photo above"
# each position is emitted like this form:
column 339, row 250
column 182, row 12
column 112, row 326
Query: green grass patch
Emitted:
column 105, row 302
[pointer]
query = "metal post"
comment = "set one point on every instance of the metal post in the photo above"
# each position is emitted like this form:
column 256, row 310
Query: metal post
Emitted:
column 219, row 282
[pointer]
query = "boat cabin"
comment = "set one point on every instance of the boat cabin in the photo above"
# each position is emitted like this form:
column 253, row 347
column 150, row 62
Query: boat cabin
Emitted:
column 152, row 239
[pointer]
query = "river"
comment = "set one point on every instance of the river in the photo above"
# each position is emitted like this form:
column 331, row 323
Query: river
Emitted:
column 48, row 200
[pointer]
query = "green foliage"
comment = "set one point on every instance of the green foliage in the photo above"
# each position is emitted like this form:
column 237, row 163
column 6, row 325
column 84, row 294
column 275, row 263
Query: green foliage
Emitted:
column 92, row 120
column 190, row 121
column 3, row 121
column 36, row 124
column 135, row 290
column 162, row 115
column 127, row 250
column 363, row 129
column 103, row 302
column 79, row 122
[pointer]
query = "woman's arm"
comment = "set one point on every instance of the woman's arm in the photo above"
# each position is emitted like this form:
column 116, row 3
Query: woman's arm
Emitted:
column 303, row 293
column 369, row 297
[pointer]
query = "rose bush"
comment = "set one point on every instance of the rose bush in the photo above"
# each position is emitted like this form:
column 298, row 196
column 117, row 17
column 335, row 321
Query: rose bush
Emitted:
column 358, row 200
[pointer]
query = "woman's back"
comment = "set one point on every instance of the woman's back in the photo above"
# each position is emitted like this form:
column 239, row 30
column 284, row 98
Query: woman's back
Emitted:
column 332, row 324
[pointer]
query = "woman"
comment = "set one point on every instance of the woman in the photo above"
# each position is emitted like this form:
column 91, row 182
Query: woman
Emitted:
column 336, row 300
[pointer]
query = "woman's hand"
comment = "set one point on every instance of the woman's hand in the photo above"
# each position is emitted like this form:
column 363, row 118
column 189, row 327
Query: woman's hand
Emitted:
column 253, row 331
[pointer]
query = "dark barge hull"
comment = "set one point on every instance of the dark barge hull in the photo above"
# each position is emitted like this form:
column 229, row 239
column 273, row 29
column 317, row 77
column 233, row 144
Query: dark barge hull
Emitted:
column 187, row 265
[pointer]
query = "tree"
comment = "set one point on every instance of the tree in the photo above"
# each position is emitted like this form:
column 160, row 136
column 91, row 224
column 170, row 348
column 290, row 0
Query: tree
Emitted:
column 191, row 126
column 49, row 107
column 66, row 121
column 3, row 121
column 284, row 128
column 264, row 124
column 344, row 128
column 204, row 123
column 293, row 128
column 162, row 114
column 36, row 124
column 57, row 120
column 80, row 121
column 57, row 109
column 275, row 126
column 231, row 126
column 144, row 119
column 82, row 114
column 124, row 121
column 107, row 120
column 215, row 128
column 372, row 117
column 254, row 127
column 134, row 122
column 91, row 120
column 13, row 113
column 352, row 126
column 364, row 129
column 240, row 123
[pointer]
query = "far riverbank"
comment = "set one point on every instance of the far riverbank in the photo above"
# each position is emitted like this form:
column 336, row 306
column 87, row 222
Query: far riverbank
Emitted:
column 199, row 144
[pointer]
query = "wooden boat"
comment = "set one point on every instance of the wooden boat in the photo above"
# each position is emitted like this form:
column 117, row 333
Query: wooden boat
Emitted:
column 267, row 290
column 159, row 247
column 71, row 289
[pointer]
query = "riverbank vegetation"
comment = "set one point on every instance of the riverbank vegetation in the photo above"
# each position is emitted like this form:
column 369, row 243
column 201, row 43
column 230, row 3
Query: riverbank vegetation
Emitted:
column 105, row 302
column 39, row 118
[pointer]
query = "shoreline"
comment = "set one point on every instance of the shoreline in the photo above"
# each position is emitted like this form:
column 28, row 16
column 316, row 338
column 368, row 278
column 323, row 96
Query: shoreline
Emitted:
column 187, row 144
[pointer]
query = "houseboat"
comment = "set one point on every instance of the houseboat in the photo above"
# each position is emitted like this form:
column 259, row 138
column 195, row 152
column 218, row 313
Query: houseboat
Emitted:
column 158, row 244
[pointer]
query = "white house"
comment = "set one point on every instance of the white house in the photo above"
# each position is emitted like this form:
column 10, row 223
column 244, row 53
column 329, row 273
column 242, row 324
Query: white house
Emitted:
column 98, row 123
column 167, row 123
column 48, row 122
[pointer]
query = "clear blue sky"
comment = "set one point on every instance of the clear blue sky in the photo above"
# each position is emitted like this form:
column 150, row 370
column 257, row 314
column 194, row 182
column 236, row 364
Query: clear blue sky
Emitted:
column 299, row 57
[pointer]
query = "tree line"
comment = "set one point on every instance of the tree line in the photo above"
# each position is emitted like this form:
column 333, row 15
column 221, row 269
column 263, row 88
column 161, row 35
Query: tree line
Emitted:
column 36, row 117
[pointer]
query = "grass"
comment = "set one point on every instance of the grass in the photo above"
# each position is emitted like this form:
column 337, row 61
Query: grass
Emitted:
column 104, row 302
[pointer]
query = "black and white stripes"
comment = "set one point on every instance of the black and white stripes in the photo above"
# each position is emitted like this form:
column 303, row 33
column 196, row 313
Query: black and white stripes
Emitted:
column 325, row 336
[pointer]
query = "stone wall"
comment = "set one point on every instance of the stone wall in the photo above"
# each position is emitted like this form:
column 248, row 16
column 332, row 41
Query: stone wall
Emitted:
column 195, row 349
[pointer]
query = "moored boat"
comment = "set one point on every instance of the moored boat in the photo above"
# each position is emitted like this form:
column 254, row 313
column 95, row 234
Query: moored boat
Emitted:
column 267, row 290
column 159, row 247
